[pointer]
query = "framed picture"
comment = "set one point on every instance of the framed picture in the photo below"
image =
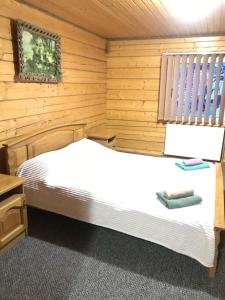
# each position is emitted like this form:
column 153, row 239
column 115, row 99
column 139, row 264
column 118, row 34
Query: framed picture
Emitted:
column 39, row 55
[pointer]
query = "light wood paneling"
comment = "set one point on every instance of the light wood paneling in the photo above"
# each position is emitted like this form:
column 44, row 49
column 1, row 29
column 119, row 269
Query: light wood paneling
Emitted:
column 25, row 107
column 15, row 10
column 129, row 18
column 133, row 69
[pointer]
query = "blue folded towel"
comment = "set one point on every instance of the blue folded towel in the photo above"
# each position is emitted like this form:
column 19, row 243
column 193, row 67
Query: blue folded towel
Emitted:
column 189, row 168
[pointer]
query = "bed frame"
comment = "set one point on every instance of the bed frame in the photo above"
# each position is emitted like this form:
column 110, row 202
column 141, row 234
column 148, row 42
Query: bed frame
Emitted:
column 21, row 149
column 53, row 138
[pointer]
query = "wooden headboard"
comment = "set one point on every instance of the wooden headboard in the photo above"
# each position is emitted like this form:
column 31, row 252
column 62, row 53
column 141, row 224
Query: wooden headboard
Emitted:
column 52, row 138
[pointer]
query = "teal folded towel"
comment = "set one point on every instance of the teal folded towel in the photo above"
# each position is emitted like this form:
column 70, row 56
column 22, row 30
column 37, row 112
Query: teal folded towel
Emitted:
column 179, row 202
column 196, row 167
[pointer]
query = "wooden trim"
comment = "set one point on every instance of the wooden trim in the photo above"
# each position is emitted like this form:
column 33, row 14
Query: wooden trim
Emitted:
column 212, row 270
column 36, row 133
column 166, row 37
column 219, row 216
column 196, row 53
column 48, row 139
column 219, row 201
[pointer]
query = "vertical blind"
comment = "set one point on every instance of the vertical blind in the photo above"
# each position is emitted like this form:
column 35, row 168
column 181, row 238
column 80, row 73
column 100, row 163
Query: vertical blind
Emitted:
column 192, row 88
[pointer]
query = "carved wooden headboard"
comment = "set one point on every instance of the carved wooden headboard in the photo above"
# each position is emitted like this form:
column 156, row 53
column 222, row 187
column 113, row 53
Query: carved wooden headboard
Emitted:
column 52, row 138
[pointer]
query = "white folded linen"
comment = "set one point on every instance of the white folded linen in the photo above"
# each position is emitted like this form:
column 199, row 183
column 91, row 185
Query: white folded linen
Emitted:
column 174, row 194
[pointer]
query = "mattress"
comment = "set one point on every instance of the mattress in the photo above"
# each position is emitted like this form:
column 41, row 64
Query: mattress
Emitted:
column 92, row 183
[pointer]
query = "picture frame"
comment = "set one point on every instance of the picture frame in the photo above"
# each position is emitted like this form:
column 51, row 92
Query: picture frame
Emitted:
column 39, row 54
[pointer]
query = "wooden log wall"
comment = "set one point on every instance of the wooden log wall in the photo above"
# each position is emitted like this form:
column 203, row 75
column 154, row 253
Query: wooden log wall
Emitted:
column 133, row 74
column 25, row 107
column 133, row 70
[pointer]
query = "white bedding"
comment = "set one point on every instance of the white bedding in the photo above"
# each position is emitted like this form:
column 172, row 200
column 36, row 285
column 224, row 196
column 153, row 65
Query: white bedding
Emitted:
column 116, row 190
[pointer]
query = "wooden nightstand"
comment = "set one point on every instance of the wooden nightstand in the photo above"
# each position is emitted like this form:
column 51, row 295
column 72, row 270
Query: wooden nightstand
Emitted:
column 102, row 135
column 13, row 213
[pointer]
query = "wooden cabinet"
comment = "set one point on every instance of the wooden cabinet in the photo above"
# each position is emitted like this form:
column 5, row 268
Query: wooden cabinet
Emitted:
column 102, row 135
column 13, row 213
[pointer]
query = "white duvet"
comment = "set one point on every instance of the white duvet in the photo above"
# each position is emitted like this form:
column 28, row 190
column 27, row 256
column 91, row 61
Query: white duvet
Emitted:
column 116, row 190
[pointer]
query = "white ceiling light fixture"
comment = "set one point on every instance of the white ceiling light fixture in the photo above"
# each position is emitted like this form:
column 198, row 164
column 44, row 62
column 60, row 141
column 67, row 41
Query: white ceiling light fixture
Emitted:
column 191, row 10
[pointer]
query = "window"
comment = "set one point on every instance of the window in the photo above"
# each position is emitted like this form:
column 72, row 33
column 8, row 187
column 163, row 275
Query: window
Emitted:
column 192, row 88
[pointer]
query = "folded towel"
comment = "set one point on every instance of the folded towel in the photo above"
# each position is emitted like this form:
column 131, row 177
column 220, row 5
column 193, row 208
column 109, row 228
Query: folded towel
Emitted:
column 197, row 167
column 180, row 202
column 174, row 194
column 193, row 162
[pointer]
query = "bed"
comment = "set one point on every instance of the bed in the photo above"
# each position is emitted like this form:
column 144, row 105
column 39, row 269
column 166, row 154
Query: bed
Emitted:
column 91, row 183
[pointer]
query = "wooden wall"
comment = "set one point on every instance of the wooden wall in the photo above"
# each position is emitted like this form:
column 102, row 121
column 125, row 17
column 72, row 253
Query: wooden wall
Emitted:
column 133, row 73
column 133, row 70
column 25, row 107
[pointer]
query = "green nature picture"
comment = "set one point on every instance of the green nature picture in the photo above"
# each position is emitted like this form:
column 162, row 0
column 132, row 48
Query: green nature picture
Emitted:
column 39, row 56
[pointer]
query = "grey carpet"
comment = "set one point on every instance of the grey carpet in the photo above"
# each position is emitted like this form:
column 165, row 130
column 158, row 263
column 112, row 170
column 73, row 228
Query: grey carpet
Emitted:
column 67, row 259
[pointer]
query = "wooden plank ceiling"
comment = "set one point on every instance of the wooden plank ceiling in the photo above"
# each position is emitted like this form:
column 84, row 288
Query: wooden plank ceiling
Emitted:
column 130, row 18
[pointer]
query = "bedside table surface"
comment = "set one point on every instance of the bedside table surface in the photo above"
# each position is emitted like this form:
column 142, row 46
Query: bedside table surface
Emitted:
column 101, row 133
column 8, row 182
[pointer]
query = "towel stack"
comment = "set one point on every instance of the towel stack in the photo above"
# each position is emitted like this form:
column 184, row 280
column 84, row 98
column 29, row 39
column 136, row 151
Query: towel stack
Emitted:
column 179, row 198
column 192, row 164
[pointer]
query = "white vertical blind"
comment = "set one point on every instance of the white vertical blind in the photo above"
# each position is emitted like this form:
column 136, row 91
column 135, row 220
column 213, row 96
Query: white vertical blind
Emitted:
column 189, row 86
column 192, row 89
column 195, row 88
column 202, row 88
column 182, row 86
column 169, row 81
column 209, row 88
column 162, row 86
column 220, row 62
column 175, row 90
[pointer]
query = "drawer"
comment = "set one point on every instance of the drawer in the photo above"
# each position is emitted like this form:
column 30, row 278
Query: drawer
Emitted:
column 13, row 220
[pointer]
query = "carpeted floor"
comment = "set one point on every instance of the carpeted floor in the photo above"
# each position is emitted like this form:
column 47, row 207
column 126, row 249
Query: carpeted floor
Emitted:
column 66, row 259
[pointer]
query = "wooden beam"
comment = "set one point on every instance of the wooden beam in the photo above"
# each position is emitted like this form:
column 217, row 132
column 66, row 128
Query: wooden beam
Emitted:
column 219, row 206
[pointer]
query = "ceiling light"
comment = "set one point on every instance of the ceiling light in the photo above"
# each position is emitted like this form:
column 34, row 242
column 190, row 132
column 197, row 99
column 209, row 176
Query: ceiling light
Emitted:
column 191, row 10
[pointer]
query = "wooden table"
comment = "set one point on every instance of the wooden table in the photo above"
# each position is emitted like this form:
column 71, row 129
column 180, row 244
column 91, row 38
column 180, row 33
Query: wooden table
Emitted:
column 102, row 135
